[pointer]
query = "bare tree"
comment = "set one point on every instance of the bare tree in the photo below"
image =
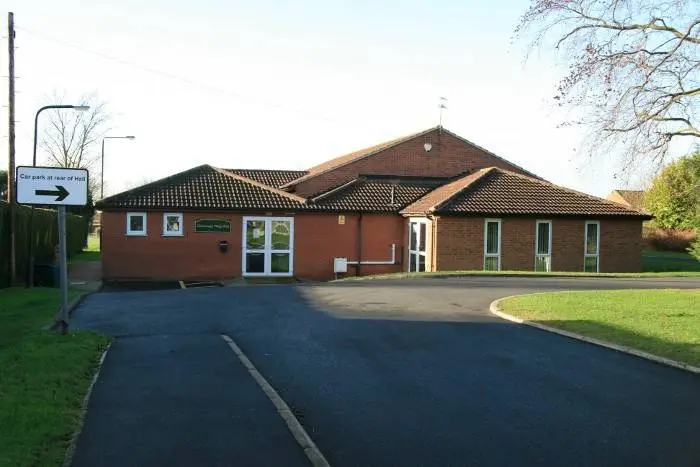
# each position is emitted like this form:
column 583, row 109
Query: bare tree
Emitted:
column 633, row 71
column 72, row 139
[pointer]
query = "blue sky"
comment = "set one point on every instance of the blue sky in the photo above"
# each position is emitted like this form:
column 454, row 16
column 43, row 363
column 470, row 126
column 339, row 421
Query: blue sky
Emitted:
column 272, row 84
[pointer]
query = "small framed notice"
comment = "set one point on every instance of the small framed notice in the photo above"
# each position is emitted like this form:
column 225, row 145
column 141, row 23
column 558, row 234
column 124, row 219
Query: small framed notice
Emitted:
column 212, row 226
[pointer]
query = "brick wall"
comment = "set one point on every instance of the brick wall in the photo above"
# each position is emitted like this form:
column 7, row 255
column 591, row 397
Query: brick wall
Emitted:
column 449, row 156
column 460, row 244
column 517, row 244
column 567, row 244
column 621, row 246
column 154, row 257
column 318, row 238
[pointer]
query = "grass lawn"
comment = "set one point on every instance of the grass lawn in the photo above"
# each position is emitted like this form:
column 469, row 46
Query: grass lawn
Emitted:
column 661, row 322
column 91, row 253
column 657, row 261
column 44, row 377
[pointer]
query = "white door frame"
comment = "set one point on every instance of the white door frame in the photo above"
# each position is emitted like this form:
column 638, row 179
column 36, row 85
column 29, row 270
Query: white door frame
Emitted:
column 267, row 249
column 417, row 220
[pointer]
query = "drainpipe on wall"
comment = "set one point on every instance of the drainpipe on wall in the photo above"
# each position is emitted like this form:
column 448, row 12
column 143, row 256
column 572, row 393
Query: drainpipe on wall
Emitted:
column 359, row 244
column 433, row 243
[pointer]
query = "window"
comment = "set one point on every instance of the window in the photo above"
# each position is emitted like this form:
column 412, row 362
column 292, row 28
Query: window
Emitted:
column 543, row 246
column 492, row 245
column 172, row 225
column 136, row 223
column 591, row 247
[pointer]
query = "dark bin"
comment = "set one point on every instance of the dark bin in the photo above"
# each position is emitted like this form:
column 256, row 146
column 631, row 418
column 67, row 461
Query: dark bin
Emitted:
column 46, row 275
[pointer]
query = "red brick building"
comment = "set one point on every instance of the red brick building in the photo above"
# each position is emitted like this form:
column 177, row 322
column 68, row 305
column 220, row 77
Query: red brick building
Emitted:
column 431, row 201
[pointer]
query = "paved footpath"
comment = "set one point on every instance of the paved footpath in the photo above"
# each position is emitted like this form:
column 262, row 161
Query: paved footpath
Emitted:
column 181, row 400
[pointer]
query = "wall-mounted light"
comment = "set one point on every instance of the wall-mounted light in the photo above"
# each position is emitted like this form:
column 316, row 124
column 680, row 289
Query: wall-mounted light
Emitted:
column 428, row 147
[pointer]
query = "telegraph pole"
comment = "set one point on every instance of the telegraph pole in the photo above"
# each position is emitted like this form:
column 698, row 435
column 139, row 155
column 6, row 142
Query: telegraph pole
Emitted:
column 11, row 144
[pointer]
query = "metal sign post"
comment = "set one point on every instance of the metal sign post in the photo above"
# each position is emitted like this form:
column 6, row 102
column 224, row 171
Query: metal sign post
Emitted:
column 63, row 269
column 60, row 187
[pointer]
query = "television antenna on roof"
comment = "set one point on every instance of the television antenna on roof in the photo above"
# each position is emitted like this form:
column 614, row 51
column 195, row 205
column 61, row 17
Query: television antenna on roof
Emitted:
column 442, row 105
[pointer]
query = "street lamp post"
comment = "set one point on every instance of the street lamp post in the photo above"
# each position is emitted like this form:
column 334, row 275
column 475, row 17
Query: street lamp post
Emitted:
column 79, row 108
column 102, row 172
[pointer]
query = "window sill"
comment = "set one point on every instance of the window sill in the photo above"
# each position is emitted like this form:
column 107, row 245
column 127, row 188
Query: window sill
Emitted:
column 136, row 234
column 173, row 235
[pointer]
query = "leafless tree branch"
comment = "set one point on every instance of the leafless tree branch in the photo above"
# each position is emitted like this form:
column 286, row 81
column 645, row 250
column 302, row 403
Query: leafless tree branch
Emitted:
column 70, row 138
column 633, row 74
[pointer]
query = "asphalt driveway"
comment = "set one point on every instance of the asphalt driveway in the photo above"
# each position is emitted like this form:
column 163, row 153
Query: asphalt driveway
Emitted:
column 412, row 372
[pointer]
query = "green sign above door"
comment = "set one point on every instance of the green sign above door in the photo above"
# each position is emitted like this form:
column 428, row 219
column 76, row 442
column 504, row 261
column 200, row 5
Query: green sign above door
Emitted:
column 212, row 225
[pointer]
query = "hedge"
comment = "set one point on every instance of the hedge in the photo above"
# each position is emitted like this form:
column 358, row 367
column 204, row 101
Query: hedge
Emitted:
column 660, row 239
column 45, row 238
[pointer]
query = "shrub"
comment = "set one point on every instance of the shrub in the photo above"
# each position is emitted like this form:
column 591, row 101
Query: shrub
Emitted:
column 694, row 249
column 668, row 239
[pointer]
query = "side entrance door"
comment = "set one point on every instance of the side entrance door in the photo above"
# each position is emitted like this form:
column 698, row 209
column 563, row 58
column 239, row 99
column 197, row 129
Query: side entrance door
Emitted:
column 268, row 246
column 417, row 230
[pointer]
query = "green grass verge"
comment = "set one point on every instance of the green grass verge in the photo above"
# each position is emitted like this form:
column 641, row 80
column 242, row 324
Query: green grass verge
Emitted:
column 658, row 261
column 661, row 322
column 44, row 377
column 405, row 275
column 91, row 252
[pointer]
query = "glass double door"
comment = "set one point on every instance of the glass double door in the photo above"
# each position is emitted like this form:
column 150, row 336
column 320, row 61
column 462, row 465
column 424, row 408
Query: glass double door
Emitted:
column 417, row 231
column 268, row 246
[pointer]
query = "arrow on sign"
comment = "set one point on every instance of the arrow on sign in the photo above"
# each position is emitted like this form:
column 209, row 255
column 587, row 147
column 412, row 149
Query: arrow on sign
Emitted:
column 60, row 193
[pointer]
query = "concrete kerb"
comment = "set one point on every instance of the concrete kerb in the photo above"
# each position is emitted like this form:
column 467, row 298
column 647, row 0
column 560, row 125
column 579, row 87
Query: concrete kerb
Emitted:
column 495, row 309
column 295, row 427
column 70, row 452
column 72, row 306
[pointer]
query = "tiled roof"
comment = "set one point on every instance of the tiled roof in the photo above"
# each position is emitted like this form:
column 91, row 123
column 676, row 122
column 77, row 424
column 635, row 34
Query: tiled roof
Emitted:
column 633, row 199
column 273, row 178
column 203, row 188
column 375, row 194
column 494, row 191
column 441, row 195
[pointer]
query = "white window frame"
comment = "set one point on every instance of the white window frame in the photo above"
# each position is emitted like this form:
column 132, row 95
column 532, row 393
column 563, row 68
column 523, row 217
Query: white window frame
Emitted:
column 267, row 247
column 585, row 245
column 137, row 233
column 416, row 253
column 549, row 246
column 500, row 232
column 178, row 233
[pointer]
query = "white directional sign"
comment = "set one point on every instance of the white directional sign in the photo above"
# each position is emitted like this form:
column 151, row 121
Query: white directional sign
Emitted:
column 48, row 185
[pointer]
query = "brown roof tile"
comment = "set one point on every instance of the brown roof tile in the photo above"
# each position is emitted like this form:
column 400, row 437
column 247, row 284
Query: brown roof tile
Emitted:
column 204, row 188
column 441, row 195
column 496, row 191
column 273, row 178
column 375, row 194
column 633, row 199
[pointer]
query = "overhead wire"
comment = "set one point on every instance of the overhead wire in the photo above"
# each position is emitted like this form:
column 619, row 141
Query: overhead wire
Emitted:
column 190, row 81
